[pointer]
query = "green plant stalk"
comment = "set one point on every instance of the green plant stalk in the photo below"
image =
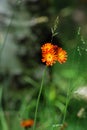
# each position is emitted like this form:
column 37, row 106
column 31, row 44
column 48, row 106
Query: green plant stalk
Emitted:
column 67, row 102
column 8, row 29
column 69, row 90
column 38, row 99
column 2, row 116
column 69, row 93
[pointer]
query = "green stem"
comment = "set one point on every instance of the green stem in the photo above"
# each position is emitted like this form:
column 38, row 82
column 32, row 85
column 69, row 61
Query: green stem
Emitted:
column 8, row 29
column 38, row 99
column 69, row 90
column 67, row 102
column 2, row 115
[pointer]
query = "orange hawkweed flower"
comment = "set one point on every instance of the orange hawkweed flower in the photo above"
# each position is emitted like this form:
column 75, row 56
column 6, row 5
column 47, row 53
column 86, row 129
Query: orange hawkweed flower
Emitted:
column 27, row 123
column 47, row 47
column 52, row 53
column 50, row 58
column 61, row 55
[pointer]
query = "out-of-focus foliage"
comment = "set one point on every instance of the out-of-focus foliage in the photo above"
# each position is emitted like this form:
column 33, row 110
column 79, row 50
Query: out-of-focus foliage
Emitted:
column 24, row 26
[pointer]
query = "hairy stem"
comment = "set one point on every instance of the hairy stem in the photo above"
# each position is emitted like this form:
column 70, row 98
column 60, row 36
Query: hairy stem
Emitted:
column 38, row 99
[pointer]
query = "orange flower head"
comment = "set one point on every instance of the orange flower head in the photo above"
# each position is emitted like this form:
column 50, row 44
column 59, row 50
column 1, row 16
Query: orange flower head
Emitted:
column 47, row 47
column 61, row 55
column 52, row 53
column 48, row 54
column 27, row 123
column 50, row 58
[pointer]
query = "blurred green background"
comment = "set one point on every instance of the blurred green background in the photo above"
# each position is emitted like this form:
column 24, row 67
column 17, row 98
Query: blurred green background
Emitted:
column 25, row 25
